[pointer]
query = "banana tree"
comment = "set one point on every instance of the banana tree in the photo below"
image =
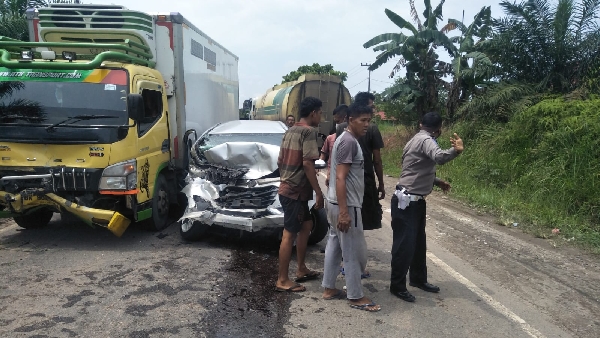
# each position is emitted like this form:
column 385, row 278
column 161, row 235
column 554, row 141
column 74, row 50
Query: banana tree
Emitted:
column 471, row 68
column 417, row 55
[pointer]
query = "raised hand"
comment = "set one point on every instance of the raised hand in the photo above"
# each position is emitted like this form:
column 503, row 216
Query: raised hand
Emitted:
column 457, row 143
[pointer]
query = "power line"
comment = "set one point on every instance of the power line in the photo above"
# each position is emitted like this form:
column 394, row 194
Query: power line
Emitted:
column 353, row 69
column 356, row 72
column 383, row 81
column 359, row 83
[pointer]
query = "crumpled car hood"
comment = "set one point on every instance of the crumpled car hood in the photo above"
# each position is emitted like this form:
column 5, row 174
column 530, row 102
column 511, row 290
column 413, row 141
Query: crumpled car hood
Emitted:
column 260, row 159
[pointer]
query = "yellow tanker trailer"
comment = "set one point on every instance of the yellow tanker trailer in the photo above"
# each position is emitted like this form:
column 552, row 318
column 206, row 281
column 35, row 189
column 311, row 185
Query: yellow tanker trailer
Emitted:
column 283, row 100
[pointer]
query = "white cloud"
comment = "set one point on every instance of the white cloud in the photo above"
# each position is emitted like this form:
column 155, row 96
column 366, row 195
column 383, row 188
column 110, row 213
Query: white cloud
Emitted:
column 274, row 37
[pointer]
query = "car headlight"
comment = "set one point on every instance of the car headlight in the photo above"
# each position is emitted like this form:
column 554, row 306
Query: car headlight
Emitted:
column 120, row 176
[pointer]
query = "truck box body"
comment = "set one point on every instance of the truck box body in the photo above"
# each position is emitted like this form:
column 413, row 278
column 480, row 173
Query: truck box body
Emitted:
column 283, row 100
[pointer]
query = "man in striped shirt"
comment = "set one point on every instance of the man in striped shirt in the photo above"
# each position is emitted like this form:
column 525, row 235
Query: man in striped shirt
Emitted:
column 297, row 154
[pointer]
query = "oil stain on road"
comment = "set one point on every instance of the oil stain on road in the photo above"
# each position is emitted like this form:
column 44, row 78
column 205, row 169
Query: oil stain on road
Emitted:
column 248, row 305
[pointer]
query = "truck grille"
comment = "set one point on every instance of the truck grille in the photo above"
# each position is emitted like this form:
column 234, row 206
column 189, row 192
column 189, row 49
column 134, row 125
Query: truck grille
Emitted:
column 56, row 179
column 247, row 198
column 74, row 179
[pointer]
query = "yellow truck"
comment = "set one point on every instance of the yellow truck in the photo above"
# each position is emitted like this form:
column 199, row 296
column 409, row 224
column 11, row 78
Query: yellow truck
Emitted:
column 99, row 110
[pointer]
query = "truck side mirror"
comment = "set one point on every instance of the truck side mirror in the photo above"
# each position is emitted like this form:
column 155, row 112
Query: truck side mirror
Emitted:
column 135, row 107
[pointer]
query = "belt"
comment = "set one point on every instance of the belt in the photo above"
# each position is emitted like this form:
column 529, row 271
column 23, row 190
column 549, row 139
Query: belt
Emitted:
column 414, row 198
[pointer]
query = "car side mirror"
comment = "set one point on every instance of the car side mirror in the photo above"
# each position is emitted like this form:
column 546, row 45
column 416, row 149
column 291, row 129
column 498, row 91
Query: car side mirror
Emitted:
column 320, row 164
column 135, row 107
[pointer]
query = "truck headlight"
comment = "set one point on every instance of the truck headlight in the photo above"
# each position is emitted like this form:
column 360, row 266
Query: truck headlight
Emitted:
column 120, row 176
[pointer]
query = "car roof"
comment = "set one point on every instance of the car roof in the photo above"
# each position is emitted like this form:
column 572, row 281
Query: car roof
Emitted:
column 249, row 127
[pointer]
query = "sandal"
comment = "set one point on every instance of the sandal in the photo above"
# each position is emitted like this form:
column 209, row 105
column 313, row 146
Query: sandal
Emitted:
column 366, row 307
column 294, row 288
column 309, row 276
column 340, row 294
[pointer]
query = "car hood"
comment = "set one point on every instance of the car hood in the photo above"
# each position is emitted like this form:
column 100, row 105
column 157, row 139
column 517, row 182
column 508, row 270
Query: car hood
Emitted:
column 259, row 158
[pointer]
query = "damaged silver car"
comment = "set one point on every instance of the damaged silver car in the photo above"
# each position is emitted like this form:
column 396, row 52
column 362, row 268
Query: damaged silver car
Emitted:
column 233, row 181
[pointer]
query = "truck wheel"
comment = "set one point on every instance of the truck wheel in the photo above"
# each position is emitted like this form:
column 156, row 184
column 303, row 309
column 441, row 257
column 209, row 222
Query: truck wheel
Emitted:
column 160, row 206
column 320, row 226
column 192, row 231
column 37, row 219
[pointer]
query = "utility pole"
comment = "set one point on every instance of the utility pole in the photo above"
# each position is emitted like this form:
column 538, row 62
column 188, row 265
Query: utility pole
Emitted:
column 367, row 65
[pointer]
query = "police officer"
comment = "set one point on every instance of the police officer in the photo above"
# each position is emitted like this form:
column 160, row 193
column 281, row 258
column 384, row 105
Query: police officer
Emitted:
column 420, row 156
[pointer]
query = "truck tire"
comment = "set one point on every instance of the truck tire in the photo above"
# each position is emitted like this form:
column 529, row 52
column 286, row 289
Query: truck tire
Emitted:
column 160, row 206
column 192, row 232
column 320, row 226
column 37, row 219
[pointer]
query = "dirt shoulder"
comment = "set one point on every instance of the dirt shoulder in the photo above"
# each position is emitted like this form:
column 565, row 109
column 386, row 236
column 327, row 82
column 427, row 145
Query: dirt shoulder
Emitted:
column 560, row 281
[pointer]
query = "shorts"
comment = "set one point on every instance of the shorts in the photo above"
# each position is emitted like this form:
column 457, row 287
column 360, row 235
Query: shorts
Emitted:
column 295, row 213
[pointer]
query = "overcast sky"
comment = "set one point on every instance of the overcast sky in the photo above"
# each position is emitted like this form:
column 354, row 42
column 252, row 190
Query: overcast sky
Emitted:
column 273, row 37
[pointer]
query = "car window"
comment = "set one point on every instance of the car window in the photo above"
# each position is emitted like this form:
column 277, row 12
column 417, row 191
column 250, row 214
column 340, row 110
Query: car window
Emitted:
column 212, row 140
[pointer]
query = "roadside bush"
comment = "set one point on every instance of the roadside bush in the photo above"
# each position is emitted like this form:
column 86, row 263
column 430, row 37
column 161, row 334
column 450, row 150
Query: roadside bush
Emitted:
column 542, row 167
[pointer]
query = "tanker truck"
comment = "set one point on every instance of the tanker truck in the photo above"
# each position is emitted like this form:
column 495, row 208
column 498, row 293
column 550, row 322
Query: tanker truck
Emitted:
column 99, row 110
column 283, row 100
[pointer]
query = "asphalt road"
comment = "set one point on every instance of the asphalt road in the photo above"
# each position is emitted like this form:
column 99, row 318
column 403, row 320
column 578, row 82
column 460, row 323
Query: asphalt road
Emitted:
column 68, row 280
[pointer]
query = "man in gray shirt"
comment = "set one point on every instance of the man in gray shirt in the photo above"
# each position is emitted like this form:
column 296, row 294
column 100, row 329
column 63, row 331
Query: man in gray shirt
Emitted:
column 421, row 154
column 344, row 201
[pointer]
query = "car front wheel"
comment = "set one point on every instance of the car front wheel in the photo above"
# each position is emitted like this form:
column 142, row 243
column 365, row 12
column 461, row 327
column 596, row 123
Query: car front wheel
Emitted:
column 192, row 231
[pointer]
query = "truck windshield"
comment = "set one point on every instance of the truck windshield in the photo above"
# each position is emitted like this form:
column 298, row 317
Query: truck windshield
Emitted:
column 49, row 103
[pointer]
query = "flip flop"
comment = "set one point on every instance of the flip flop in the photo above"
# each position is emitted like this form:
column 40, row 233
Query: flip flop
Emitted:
column 340, row 294
column 365, row 307
column 293, row 288
column 309, row 276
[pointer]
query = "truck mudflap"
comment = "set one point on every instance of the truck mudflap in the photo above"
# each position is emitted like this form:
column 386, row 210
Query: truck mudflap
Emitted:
column 26, row 201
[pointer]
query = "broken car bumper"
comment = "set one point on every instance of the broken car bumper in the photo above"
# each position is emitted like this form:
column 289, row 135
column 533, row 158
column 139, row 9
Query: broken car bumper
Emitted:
column 227, row 219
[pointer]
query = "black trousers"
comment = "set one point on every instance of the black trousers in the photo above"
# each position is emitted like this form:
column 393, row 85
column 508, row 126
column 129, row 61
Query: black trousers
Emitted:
column 371, row 208
column 409, row 244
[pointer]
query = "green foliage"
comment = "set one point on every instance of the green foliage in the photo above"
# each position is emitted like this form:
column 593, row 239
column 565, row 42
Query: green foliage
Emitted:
column 550, row 46
column 397, row 109
column 314, row 69
column 13, row 23
column 542, row 167
column 499, row 102
column 471, row 68
column 417, row 52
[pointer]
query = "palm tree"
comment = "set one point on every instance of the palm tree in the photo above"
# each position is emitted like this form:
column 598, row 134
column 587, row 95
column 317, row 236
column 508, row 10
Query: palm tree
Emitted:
column 552, row 47
column 538, row 48
column 417, row 52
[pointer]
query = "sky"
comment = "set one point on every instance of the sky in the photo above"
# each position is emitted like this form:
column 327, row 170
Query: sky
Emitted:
column 274, row 37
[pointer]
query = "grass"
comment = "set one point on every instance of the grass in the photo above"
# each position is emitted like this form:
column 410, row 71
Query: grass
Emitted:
column 541, row 170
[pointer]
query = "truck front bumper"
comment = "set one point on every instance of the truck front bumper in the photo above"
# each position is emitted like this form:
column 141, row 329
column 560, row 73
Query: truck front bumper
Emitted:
column 25, row 202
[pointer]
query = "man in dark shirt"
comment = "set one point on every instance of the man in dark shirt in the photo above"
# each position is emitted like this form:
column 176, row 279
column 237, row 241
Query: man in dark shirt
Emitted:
column 420, row 156
column 298, row 176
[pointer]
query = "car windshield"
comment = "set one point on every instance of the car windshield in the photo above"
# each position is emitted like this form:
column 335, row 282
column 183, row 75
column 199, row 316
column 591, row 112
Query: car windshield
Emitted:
column 48, row 101
column 212, row 140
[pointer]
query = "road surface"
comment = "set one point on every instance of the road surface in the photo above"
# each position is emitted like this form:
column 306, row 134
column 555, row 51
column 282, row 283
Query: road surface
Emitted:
column 68, row 280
